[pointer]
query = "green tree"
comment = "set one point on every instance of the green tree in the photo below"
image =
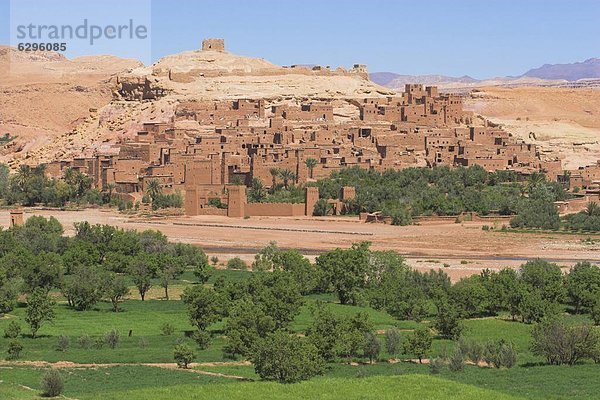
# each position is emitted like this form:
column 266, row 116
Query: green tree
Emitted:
column 544, row 277
column 561, row 343
column 115, row 288
column 184, row 355
column 203, row 306
column 83, row 289
column 257, row 191
column 170, row 268
column 583, row 285
column 263, row 260
column 277, row 294
column 471, row 296
column 274, row 175
column 372, row 347
column 311, row 163
column 345, row 271
column 286, row 358
column 246, row 325
column 153, row 189
column 45, row 272
column 447, row 320
column 298, row 267
column 286, row 176
column 592, row 209
column 322, row 208
column 236, row 263
column 533, row 307
column 40, row 309
column 419, row 343
column 142, row 269
column 393, row 341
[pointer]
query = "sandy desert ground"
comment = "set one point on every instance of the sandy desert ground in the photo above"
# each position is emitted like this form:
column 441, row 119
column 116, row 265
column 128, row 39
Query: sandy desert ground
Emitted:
column 460, row 249
column 564, row 122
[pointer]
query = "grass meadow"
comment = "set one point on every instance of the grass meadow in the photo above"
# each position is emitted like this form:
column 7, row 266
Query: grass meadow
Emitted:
column 125, row 377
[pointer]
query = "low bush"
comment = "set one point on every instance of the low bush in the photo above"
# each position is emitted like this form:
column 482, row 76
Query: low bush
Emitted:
column 13, row 330
column 112, row 338
column 63, row 343
column 236, row 263
column 85, row 342
column 183, row 355
column 52, row 384
column 167, row 329
column 14, row 350
column 456, row 362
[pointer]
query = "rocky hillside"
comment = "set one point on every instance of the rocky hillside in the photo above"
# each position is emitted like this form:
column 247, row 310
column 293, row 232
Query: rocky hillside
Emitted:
column 46, row 96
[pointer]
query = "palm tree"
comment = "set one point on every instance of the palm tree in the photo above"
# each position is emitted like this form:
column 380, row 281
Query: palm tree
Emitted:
column 535, row 179
column 287, row 176
column 592, row 209
column 311, row 163
column 23, row 175
column 110, row 187
column 274, row 174
column 153, row 188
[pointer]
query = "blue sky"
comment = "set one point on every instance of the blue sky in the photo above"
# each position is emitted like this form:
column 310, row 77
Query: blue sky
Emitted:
column 483, row 38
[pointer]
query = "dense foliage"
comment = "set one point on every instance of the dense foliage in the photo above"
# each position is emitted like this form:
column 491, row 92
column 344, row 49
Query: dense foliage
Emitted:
column 92, row 265
column 440, row 191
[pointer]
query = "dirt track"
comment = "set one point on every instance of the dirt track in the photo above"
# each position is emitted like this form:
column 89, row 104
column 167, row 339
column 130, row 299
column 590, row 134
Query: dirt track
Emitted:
column 192, row 367
column 461, row 249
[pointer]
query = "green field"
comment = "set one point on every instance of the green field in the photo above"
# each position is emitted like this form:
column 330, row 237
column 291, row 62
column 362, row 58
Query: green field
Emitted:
column 530, row 379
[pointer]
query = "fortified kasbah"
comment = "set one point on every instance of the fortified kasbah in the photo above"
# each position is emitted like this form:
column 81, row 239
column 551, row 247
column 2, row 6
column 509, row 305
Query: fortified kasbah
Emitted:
column 207, row 146
column 400, row 201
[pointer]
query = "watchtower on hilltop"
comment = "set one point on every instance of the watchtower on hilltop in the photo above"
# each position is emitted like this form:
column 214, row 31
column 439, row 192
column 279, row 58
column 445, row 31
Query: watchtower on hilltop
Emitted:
column 213, row 45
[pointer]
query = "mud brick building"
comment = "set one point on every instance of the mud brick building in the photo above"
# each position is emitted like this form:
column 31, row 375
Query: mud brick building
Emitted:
column 209, row 147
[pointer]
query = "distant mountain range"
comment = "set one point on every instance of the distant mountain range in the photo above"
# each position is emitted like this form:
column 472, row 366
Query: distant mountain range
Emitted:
column 588, row 69
column 391, row 79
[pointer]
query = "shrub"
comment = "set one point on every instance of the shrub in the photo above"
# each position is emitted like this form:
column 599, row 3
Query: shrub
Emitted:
column 507, row 355
column 99, row 343
column 473, row 350
column 13, row 330
column 361, row 373
column 447, row 321
column 167, row 329
column 202, row 339
column 393, row 341
column 183, row 355
column 236, row 263
column 112, row 338
column 179, row 340
column 85, row 342
column 436, row 365
column 286, row 358
column 14, row 350
column 52, row 384
column 456, row 362
column 500, row 354
column 322, row 207
column 63, row 343
column 372, row 347
column 560, row 343
column 419, row 343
